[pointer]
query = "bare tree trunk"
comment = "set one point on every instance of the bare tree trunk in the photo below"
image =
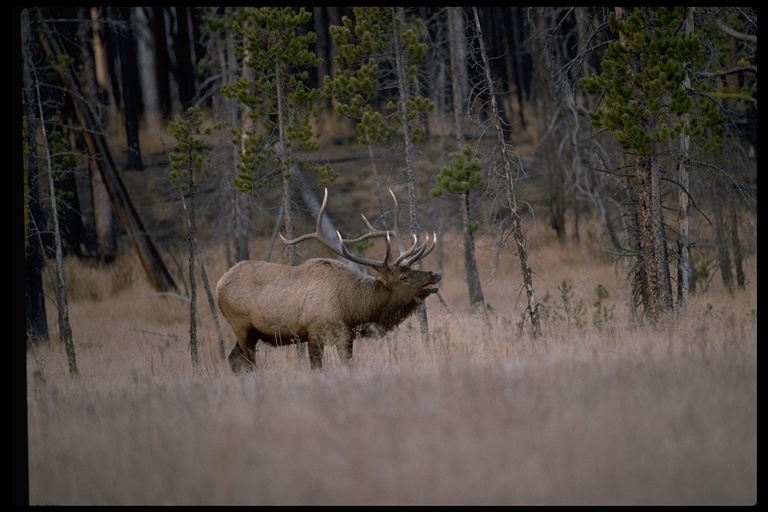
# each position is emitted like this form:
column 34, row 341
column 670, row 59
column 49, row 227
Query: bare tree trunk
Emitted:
column 517, row 229
column 398, row 19
column 458, row 51
column 557, row 200
column 683, row 237
column 192, row 241
column 721, row 238
column 162, row 62
column 229, row 112
column 65, row 329
column 103, row 218
column 738, row 250
column 476, row 298
column 241, row 210
column 185, row 76
column 103, row 213
column 130, row 91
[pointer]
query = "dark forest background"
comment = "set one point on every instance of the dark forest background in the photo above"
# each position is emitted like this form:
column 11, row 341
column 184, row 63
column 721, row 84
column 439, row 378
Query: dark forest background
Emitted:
column 679, row 113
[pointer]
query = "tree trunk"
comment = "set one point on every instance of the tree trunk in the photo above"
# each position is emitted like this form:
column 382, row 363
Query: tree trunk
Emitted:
column 721, row 239
column 34, row 215
column 162, row 62
column 458, row 51
column 398, row 20
column 104, row 95
column 130, row 89
column 557, row 201
column 521, row 67
column 93, row 89
column 683, row 236
column 238, row 115
column 514, row 215
column 185, row 76
column 103, row 218
column 60, row 286
column 189, row 210
column 652, row 240
column 228, row 112
column 70, row 217
column 476, row 299
column 738, row 250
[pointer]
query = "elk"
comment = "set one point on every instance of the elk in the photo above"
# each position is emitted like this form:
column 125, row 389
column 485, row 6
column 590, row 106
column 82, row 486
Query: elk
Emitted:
column 322, row 301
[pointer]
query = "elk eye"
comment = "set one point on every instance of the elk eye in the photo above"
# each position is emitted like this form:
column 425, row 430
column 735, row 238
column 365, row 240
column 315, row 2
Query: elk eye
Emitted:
column 403, row 278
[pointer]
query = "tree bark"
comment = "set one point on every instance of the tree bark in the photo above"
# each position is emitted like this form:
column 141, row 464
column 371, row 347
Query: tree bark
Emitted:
column 131, row 86
column 476, row 298
column 189, row 210
column 652, row 239
column 514, row 215
column 683, row 237
column 721, row 239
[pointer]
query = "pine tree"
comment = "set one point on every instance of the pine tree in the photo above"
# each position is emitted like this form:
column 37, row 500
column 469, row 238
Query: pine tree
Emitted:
column 276, row 47
column 462, row 175
column 638, row 71
column 187, row 165
column 649, row 78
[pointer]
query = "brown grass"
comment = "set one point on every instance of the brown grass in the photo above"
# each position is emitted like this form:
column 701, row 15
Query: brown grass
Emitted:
column 478, row 414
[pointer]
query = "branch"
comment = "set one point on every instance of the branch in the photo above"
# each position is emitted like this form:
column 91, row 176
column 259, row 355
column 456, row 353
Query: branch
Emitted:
column 735, row 34
column 731, row 71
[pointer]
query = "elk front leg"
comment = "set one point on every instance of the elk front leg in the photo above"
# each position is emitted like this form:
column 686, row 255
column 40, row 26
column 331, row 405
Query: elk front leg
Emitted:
column 241, row 360
column 315, row 348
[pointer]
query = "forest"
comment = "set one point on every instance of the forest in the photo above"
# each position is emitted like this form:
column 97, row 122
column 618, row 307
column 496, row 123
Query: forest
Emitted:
column 645, row 118
column 575, row 189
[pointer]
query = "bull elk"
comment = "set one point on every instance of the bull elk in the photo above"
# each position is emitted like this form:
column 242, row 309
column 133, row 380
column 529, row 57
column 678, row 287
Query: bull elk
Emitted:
column 322, row 301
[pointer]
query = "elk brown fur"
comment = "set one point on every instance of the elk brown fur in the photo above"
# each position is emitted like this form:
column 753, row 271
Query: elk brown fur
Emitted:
column 321, row 301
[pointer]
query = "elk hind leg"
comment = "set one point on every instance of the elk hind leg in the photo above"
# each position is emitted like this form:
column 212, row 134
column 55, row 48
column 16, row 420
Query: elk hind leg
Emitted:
column 344, row 348
column 315, row 348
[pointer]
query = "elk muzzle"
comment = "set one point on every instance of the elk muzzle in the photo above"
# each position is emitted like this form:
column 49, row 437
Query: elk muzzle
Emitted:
column 430, row 286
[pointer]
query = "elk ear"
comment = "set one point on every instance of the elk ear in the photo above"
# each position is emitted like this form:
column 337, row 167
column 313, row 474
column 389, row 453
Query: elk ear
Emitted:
column 379, row 273
column 384, row 275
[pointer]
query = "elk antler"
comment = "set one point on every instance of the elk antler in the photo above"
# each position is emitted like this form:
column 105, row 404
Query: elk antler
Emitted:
column 413, row 254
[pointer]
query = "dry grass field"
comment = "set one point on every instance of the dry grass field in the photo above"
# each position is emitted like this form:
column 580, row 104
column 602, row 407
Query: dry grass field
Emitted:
column 605, row 413
column 477, row 414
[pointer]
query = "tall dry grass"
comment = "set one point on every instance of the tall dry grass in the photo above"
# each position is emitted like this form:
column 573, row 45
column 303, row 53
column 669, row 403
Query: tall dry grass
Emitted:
column 479, row 414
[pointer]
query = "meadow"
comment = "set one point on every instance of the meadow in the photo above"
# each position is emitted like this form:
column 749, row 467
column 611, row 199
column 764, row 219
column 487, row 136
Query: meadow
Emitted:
column 602, row 409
